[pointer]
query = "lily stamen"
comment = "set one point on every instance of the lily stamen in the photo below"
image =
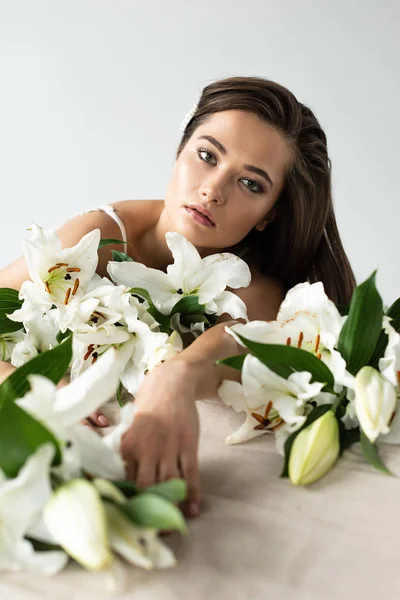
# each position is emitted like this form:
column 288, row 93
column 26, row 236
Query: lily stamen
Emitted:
column 300, row 340
column 62, row 264
column 398, row 377
column 89, row 351
column 76, row 285
column 317, row 343
column 73, row 270
column 53, row 268
column 67, row 295
column 319, row 356
column 95, row 357
column 46, row 285
column 288, row 341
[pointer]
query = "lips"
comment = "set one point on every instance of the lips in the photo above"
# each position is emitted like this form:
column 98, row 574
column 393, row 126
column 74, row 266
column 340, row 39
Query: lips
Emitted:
column 203, row 211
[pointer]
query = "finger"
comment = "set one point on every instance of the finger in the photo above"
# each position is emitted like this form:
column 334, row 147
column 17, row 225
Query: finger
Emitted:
column 131, row 468
column 168, row 467
column 146, row 472
column 190, row 472
column 99, row 418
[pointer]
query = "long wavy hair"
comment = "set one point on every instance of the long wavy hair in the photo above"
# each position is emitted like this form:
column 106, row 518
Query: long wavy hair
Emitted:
column 302, row 242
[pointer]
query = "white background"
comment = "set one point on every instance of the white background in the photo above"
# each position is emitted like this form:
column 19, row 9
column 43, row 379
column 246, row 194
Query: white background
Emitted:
column 92, row 93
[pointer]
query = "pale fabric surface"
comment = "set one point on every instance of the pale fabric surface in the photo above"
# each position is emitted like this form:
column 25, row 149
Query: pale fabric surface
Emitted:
column 258, row 536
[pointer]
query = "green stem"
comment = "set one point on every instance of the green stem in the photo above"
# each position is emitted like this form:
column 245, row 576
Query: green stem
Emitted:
column 339, row 400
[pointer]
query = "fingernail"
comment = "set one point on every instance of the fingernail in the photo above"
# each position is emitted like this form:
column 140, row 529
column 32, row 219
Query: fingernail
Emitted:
column 102, row 420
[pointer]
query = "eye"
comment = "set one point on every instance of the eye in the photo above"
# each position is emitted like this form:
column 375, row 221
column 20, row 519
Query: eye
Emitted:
column 254, row 187
column 202, row 151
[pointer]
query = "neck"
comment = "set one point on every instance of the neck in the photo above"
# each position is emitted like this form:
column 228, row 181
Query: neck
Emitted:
column 152, row 246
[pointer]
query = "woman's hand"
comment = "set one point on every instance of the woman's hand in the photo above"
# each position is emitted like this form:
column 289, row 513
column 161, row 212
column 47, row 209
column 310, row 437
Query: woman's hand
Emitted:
column 163, row 438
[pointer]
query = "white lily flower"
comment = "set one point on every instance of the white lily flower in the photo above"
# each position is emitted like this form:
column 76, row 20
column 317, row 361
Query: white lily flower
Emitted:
column 268, row 399
column 375, row 402
column 172, row 346
column 59, row 276
column 190, row 274
column 389, row 365
column 21, row 503
column 308, row 320
column 8, row 342
column 41, row 335
column 138, row 545
column 61, row 411
column 76, row 518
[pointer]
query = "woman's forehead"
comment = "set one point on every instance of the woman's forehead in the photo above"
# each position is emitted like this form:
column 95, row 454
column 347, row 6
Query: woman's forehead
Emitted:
column 245, row 136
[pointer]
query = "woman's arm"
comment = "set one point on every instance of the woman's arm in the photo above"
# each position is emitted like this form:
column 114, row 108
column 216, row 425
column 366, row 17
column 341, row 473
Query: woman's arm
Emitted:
column 162, row 441
column 70, row 233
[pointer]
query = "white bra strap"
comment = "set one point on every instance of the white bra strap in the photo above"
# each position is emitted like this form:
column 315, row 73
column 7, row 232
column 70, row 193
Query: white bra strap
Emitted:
column 111, row 212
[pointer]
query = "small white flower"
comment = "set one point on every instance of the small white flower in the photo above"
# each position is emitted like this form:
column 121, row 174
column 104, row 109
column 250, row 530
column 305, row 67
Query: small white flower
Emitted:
column 375, row 402
column 21, row 503
column 62, row 410
column 76, row 518
column 190, row 274
column 307, row 319
column 268, row 399
column 59, row 276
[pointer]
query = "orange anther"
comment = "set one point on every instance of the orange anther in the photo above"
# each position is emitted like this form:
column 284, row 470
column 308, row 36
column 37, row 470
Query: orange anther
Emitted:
column 67, row 295
column 53, row 269
column 89, row 351
column 317, row 343
column 62, row 264
column 319, row 356
column 46, row 285
column 76, row 285
column 300, row 340
column 73, row 270
column 288, row 341
column 398, row 378
column 268, row 409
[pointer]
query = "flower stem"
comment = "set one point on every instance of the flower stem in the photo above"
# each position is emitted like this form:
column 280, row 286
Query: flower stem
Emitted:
column 339, row 399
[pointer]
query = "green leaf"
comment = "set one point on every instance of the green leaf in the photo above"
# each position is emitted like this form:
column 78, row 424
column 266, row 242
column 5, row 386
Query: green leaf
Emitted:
column 285, row 360
column 361, row 331
column 174, row 490
column 9, row 302
column 315, row 414
column 151, row 510
column 52, row 364
column 20, row 436
column 119, row 394
column 8, row 326
column 128, row 488
column 370, row 452
column 120, row 256
column 107, row 241
column 394, row 313
column 236, row 362
column 163, row 320
column 189, row 305
column 60, row 337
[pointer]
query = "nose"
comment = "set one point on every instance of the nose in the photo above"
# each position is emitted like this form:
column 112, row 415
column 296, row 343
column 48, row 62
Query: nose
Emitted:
column 213, row 190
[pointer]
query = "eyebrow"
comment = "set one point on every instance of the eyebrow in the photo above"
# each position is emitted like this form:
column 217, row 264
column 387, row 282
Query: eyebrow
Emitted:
column 252, row 168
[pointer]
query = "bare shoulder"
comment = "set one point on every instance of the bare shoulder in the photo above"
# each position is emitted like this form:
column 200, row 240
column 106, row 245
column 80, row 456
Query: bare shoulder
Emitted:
column 138, row 215
column 263, row 296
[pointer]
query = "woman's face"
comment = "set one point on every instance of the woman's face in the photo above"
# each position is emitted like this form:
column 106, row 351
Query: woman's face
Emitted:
column 233, row 166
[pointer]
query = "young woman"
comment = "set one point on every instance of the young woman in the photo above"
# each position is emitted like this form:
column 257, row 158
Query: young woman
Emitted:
column 254, row 160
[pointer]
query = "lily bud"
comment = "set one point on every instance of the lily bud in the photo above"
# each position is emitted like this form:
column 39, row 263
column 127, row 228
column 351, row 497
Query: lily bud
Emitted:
column 374, row 403
column 76, row 517
column 315, row 450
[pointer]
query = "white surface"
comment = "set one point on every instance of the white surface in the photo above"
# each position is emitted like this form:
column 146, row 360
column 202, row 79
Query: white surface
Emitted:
column 259, row 537
column 93, row 93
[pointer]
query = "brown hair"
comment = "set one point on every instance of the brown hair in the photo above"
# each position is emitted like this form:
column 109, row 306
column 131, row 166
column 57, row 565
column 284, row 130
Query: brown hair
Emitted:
column 302, row 242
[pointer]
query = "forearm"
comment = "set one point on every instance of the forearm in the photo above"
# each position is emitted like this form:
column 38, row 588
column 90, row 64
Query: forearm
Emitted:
column 198, row 360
